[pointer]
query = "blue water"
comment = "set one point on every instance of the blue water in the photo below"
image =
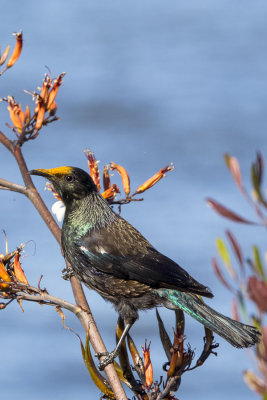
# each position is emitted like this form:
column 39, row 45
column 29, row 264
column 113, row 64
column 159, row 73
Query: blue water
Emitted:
column 147, row 83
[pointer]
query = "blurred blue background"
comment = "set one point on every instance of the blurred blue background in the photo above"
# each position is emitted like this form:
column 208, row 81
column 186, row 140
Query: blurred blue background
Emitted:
column 147, row 83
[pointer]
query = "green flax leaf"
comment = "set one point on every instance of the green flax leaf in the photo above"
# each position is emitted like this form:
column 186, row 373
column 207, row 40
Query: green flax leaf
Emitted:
column 258, row 263
column 225, row 256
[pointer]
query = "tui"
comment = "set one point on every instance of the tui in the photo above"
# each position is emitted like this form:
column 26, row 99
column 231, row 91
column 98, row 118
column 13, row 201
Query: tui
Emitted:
column 110, row 256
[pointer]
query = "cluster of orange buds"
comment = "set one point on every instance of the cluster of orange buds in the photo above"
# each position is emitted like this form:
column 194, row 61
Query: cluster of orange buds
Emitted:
column 10, row 270
column 45, row 101
column 15, row 54
column 19, row 117
column 154, row 179
column 148, row 365
column 93, row 167
column 110, row 190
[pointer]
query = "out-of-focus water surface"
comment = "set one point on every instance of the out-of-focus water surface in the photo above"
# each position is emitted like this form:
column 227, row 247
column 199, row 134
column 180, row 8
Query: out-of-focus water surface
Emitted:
column 147, row 83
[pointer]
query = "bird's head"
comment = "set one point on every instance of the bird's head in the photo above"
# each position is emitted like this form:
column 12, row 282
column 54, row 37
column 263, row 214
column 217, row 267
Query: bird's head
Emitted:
column 69, row 182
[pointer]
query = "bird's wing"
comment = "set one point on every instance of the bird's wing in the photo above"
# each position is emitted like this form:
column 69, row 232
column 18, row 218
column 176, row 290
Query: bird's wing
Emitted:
column 122, row 251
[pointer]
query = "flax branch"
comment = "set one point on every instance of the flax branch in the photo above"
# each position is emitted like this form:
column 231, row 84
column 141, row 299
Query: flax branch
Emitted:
column 86, row 317
column 13, row 187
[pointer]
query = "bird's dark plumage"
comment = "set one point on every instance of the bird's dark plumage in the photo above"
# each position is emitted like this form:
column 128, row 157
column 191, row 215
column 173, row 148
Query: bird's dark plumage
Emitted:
column 110, row 256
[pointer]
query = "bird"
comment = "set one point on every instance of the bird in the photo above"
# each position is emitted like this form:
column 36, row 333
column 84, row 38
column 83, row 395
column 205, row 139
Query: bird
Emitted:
column 109, row 255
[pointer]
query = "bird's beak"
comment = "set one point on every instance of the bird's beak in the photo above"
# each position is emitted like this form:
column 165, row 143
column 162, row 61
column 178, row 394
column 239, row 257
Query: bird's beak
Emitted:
column 52, row 174
column 46, row 173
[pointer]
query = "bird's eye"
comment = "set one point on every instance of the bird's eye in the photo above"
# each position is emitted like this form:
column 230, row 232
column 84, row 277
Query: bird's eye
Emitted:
column 69, row 178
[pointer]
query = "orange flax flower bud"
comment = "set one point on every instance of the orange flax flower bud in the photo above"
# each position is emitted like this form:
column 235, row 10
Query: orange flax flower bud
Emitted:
column 16, row 114
column 4, row 55
column 106, row 178
column 93, row 167
column 52, row 109
column 27, row 117
column 148, row 365
column 3, row 274
column 47, row 83
column 54, row 90
column 154, row 179
column 18, row 271
column 40, row 109
column 111, row 192
column 124, row 176
column 17, row 50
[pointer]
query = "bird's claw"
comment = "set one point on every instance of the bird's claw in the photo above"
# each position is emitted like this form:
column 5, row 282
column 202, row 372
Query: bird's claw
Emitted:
column 109, row 358
column 67, row 273
column 99, row 355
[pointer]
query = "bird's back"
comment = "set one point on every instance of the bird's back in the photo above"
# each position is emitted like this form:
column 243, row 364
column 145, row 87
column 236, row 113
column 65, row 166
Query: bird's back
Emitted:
column 98, row 242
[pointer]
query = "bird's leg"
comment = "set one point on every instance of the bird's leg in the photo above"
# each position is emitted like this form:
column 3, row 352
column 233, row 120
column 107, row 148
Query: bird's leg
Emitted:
column 110, row 357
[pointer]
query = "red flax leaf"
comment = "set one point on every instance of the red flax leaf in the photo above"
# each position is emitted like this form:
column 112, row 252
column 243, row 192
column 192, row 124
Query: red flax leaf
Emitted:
column 264, row 339
column 257, row 292
column 237, row 249
column 225, row 212
column 235, row 314
column 219, row 274
column 233, row 165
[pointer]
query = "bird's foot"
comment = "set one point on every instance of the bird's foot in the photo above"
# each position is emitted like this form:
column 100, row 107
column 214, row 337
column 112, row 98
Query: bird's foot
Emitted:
column 109, row 358
column 67, row 273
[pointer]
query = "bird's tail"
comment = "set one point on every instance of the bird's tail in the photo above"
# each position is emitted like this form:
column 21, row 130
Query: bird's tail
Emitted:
column 239, row 335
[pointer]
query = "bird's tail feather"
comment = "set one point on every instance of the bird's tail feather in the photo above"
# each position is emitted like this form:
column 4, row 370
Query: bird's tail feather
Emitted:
column 236, row 333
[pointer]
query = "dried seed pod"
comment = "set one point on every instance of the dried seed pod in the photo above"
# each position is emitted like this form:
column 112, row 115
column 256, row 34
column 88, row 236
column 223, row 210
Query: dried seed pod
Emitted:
column 138, row 362
column 18, row 271
column 177, row 354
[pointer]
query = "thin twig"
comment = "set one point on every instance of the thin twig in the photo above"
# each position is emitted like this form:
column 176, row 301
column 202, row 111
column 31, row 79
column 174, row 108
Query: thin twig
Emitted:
column 14, row 187
column 168, row 388
column 6, row 142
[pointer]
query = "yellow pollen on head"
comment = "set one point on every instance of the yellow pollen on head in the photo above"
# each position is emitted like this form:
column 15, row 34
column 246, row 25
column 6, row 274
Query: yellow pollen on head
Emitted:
column 57, row 171
column 60, row 171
